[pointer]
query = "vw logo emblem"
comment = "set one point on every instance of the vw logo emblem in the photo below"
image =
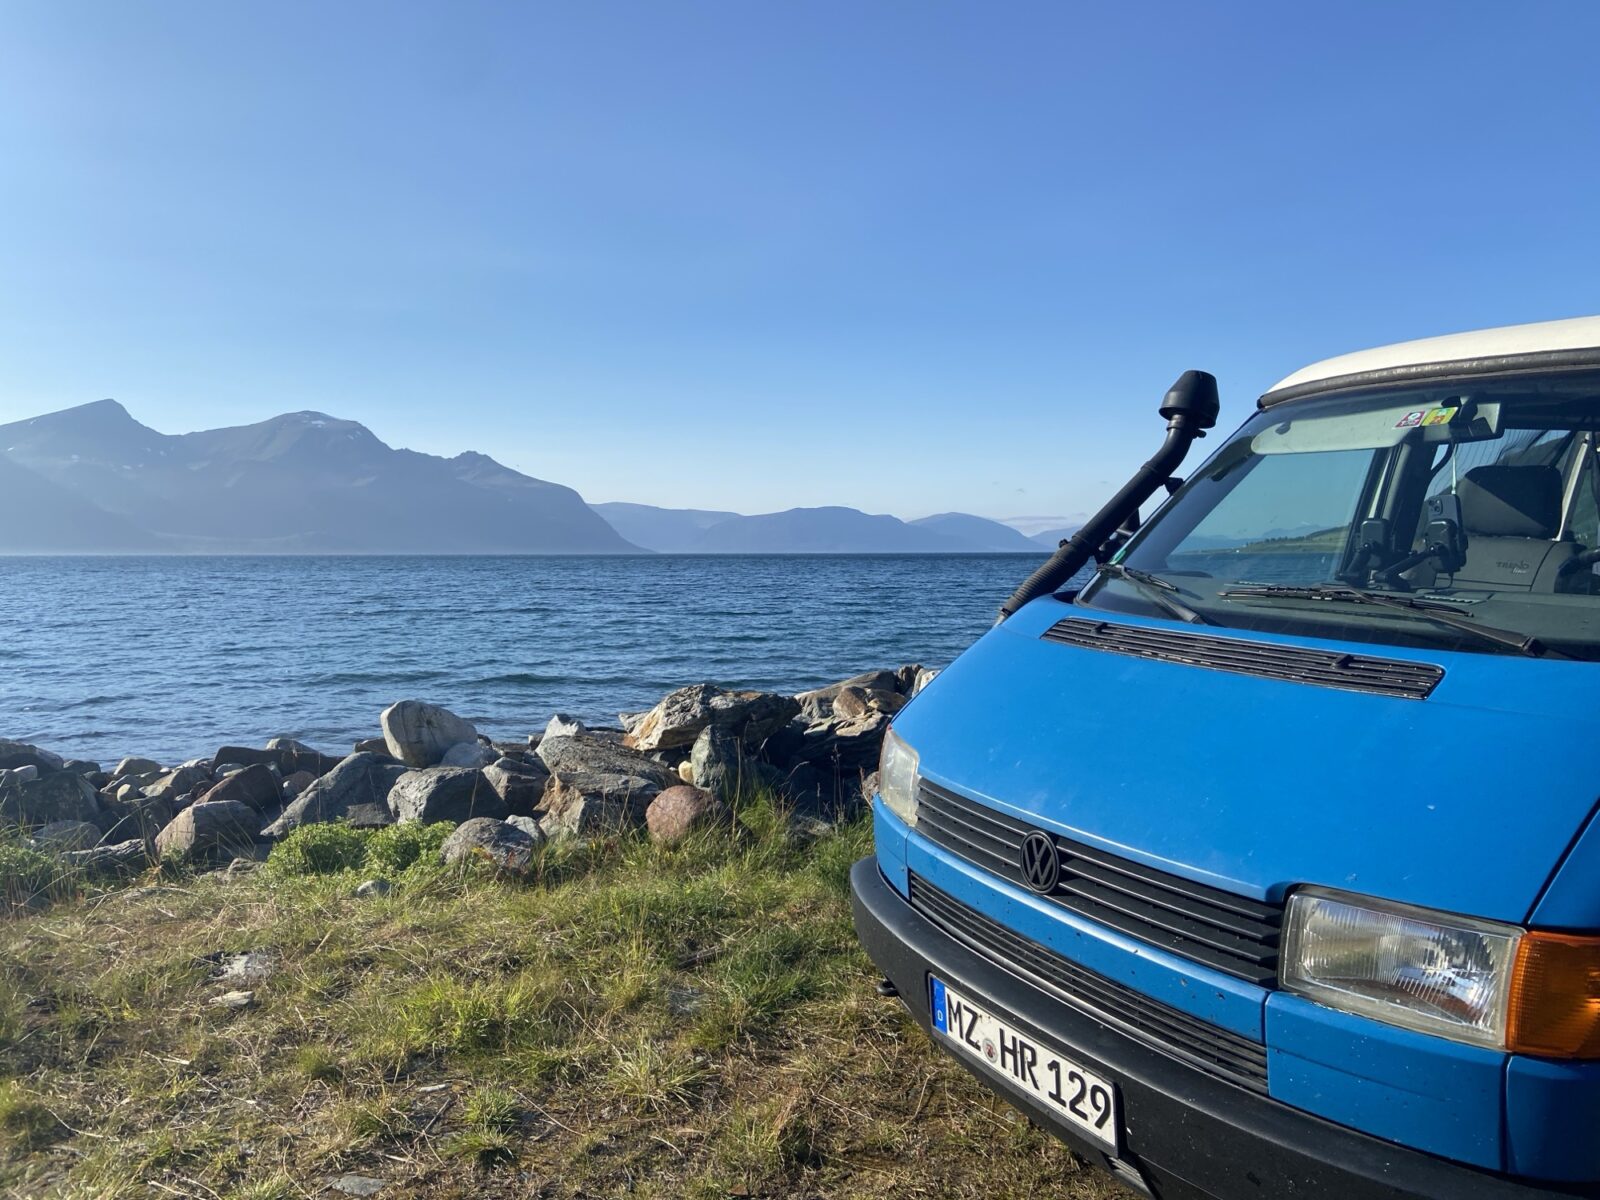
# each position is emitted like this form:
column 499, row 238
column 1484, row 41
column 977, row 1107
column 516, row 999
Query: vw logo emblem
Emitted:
column 1041, row 865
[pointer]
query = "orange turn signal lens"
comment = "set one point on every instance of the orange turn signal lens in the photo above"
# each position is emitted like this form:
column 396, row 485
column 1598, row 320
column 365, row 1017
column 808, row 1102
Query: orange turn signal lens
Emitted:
column 1555, row 997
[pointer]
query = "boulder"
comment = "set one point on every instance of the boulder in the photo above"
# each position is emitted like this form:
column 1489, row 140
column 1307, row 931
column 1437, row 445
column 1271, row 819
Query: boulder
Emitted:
column 18, row 775
column 369, row 816
column 563, row 725
column 506, row 846
column 296, row 784
column 81, row 766
column 21, row 754
column 359, row 779
column 817, row 704
column 130, row 855
column 177, row 783
column 590, row 805
column 67, row 835
column 716, row 760
column 49, row 797
column 287, row 761
column 853, row 702
column 140, row 818
column 924, row 677
column 590, row 755
column 210, row 831
column 418, row 734
column 520, row 784
column 444, row 794
column 375, row 745
column 136, row 766
column 289, row 743
column 680, row 811
column 680, row 717
column 256, row 786
column 468, row 754
column 843, row 744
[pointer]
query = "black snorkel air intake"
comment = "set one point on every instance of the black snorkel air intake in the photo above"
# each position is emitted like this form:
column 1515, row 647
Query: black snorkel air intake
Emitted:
column 1190, row 409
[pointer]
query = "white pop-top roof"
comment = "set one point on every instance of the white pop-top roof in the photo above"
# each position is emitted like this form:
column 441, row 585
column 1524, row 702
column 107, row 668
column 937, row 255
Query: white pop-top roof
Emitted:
column 1576, row 333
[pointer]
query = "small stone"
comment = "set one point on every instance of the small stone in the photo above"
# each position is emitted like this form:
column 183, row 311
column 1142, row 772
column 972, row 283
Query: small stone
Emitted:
column 253, row 966
column 375, row 745
column 296, row 784
column 289, row 743
column 686, row 771
column 81, row 766
column 135, row 766
column 235, row 1000
column 370, row 889
column 528, row 824
column 358, row 1185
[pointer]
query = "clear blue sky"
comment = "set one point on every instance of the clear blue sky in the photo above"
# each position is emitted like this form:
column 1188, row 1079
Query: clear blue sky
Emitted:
column 907, row 257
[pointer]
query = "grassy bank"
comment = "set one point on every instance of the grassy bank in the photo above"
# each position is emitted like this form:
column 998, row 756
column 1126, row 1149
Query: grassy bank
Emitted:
column 634, row 1020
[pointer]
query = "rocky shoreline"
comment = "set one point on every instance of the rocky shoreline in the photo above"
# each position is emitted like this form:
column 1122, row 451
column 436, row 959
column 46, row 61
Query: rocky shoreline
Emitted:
column 670, row 770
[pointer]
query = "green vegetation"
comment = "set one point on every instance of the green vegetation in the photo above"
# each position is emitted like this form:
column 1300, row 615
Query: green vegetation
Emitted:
column 632, row 1020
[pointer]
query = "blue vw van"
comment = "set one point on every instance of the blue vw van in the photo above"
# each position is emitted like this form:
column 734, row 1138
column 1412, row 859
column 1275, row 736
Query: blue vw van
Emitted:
column 1262, row 861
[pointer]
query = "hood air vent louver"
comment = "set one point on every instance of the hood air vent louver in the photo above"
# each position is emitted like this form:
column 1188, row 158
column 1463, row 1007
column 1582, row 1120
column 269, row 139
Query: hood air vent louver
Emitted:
column 1269, row 660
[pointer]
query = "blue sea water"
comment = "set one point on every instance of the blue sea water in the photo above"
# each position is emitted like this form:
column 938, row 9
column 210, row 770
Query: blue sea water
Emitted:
column 174, row 657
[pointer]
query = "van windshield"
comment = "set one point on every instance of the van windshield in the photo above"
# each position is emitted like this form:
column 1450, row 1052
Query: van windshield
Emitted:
column 1476, row 505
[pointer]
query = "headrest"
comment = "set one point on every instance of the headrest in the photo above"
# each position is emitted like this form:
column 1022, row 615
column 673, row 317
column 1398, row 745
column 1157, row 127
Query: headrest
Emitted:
column 1501, row 501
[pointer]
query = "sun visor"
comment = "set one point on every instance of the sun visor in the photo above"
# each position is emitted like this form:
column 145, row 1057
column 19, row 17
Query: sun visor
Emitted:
column 1453, row 419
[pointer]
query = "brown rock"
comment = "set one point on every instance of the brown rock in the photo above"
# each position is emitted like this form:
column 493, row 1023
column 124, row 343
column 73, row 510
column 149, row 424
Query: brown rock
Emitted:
column 853, row 702
column 210, row 830
column 256, row 786
column 678, row 812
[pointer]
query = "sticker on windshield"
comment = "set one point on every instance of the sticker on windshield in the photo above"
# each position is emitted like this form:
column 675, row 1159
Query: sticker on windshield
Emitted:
column 1427, row 416
column 1410, row 419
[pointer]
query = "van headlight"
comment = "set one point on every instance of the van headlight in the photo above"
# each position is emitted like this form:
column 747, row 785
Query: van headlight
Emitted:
column 1407, row 966
column 897, row 777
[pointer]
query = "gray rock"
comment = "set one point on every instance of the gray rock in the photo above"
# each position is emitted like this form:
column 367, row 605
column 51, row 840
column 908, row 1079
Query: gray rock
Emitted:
column 289, row 743
column 138, row 817
column 255, row 785
column 177, row 783
column 590, row 755
column 359, row 779
column 680, row 717
column 817, row 705
column 562, row 725
column 444, row 794
column 369, row 816
column 468, row 754
column 590, row 805
column 49, row 797
column 136, row 766
column 21, row 754
column 507, row 846
column 418, row 734
column 630, row 721
column 520, row 784
column 130, row 855
column 680, row 811
column 370, row 889
column 207, row 831
column 844, row 745
column 81, row 766
column 296, row 784
column 19, row 774
column 375, row 745
column 716, row 761
column 235, row 1000
column 253, row 966
column 67, row 835
column 358, row 1185
column 528, row 825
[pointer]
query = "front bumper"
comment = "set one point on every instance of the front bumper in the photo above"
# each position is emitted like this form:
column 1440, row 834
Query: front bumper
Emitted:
column 1186, row 1135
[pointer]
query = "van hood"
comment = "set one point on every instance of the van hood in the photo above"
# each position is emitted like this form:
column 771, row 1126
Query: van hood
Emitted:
column 1465, row 801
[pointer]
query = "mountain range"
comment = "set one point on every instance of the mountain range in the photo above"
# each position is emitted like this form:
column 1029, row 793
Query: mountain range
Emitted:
column 92, row 479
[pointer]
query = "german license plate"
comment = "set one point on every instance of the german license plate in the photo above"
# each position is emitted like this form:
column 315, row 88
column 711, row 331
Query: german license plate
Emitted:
column 1086, row 1101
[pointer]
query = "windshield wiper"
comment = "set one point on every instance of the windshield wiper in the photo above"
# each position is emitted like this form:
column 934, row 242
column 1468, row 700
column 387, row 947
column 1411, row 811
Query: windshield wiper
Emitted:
column 1155, row 588
column 1431, row 610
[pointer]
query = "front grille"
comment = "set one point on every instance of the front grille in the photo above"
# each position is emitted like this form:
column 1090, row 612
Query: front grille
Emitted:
column 1218, row 1052
column 1297, row 664
column 1232, row 934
